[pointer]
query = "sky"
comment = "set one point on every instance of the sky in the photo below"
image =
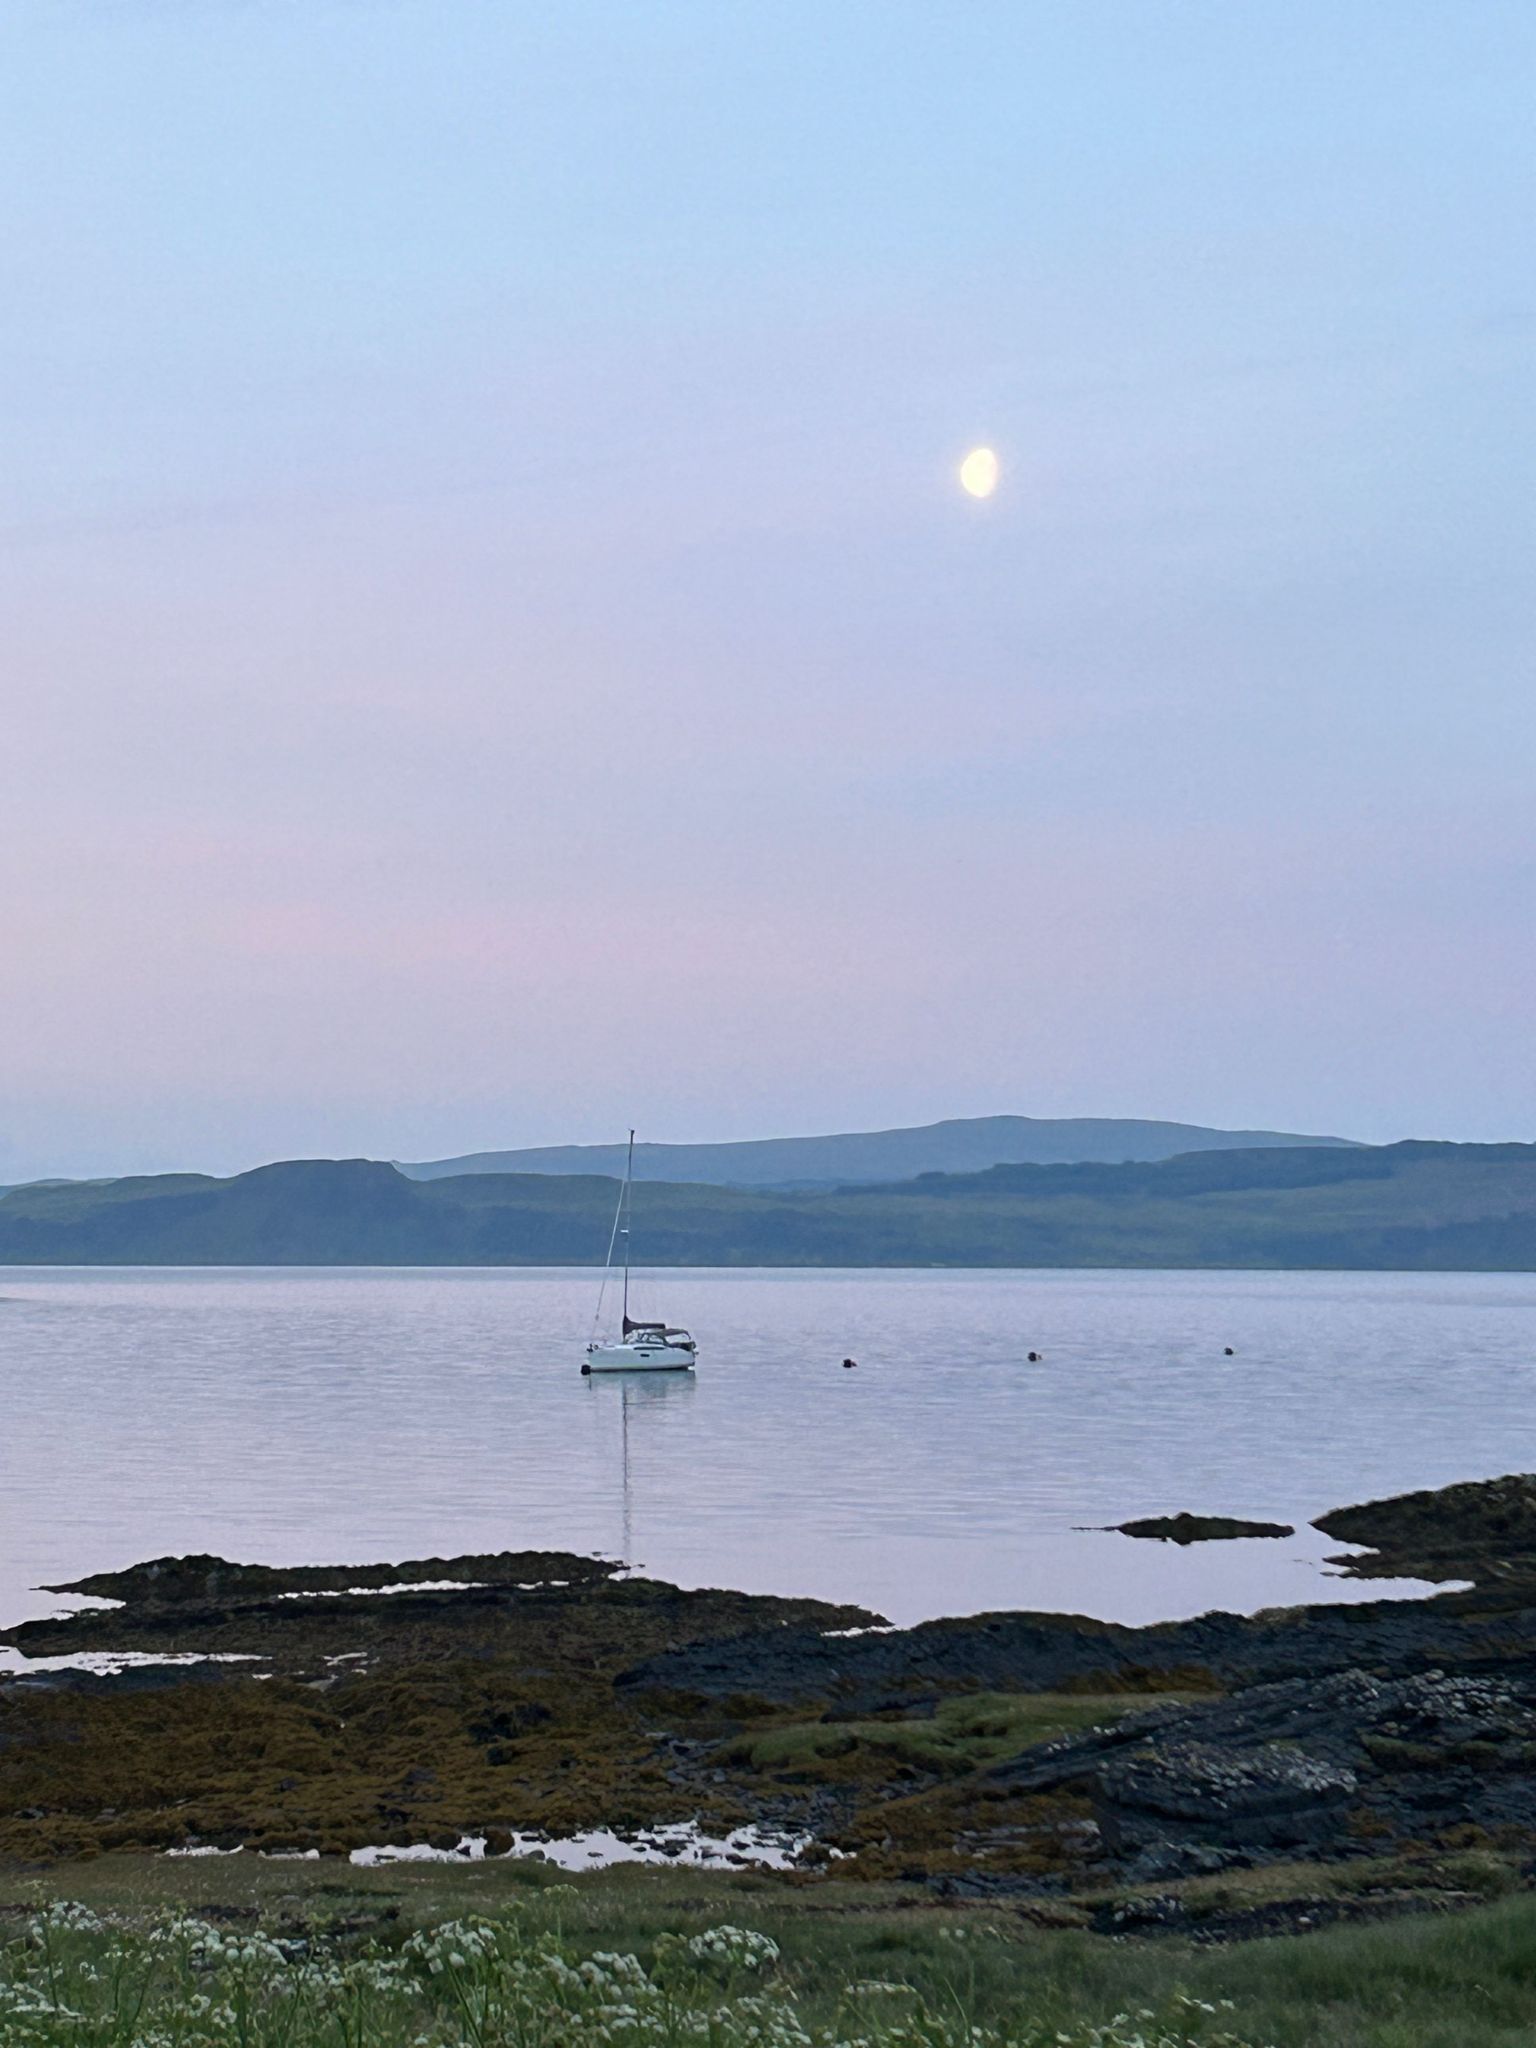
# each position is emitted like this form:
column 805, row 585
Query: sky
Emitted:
column 493, row 649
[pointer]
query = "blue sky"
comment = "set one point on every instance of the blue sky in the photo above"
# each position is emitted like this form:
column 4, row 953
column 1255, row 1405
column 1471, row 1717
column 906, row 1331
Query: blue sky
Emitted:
column 494, row 650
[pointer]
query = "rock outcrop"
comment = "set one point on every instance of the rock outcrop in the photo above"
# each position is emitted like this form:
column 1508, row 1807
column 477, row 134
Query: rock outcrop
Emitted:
column 1187, row 1528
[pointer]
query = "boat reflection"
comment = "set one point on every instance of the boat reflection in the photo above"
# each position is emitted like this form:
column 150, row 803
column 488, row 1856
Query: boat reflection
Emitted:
column 641, row 1399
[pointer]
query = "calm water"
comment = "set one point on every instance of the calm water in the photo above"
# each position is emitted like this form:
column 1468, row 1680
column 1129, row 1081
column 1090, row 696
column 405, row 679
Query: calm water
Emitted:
column 295, row 1416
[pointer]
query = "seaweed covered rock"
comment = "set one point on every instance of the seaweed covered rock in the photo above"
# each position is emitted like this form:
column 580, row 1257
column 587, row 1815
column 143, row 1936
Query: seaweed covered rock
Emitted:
column 337, row 1707
column 1186, row 1528
column 203, row 1580
column 1484, row 1530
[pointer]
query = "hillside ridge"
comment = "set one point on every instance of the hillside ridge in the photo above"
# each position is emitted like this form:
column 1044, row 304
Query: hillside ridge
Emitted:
column 1420, row 1205
column 953, row 1145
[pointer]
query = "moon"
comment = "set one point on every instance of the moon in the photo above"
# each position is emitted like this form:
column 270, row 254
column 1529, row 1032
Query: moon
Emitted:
column 979, row 473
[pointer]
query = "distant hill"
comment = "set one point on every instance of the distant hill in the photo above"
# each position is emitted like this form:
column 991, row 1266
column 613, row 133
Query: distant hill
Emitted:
column 1415, row 1206
column 15, row 1186
column 959, row 1145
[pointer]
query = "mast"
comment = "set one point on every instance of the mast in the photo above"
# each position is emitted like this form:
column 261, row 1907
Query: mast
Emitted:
column 613, row 1238
column 629, row 1205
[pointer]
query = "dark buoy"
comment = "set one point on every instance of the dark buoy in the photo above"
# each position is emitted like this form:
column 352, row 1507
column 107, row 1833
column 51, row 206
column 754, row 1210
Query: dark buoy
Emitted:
column 849, row 1363
column 1035, row 1357
column 1230, row 1352
column 585, row 1369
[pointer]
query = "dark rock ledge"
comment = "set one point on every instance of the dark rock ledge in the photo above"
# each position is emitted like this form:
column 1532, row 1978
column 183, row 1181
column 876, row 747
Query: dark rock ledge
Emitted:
column 1186, row 1528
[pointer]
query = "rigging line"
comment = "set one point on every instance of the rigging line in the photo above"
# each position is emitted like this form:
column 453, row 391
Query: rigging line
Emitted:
column 613, row 1238
column 628, row 1195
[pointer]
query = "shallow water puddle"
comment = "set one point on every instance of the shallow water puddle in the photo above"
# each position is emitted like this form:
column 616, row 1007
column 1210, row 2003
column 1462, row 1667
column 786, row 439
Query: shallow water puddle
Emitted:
column 404, row 1586
column 108, row 1663
column 597, row 1848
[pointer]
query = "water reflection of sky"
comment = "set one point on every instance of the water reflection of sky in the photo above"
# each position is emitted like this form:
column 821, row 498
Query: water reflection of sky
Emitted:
column 355, row 1416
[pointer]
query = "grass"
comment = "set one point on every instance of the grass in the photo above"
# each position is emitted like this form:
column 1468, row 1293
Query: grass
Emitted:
column 1453, row 1980
column 963, row 1734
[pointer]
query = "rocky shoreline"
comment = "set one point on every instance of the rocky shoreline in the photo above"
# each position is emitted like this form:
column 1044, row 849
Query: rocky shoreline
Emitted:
column 1073, row 1767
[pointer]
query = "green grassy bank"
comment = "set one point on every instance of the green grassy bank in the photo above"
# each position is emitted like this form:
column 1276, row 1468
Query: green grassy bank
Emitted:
column 322, row 1955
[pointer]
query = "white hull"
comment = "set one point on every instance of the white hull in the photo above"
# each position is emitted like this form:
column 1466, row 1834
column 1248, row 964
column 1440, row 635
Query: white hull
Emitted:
column 639, row 1347
column 633, row 1357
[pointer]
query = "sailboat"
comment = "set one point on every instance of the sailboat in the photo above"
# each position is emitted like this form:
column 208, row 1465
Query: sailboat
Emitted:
column 639, row 1347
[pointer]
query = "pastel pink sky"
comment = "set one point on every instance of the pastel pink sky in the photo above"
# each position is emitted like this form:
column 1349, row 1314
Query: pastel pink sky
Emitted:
column 494, row 651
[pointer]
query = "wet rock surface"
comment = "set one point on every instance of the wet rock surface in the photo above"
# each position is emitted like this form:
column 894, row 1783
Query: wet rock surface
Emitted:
column 1302, row 1767
column 1045, row 1652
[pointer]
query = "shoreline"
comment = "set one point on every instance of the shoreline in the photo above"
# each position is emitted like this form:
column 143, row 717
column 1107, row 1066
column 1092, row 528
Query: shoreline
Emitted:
column 1048, row 1760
